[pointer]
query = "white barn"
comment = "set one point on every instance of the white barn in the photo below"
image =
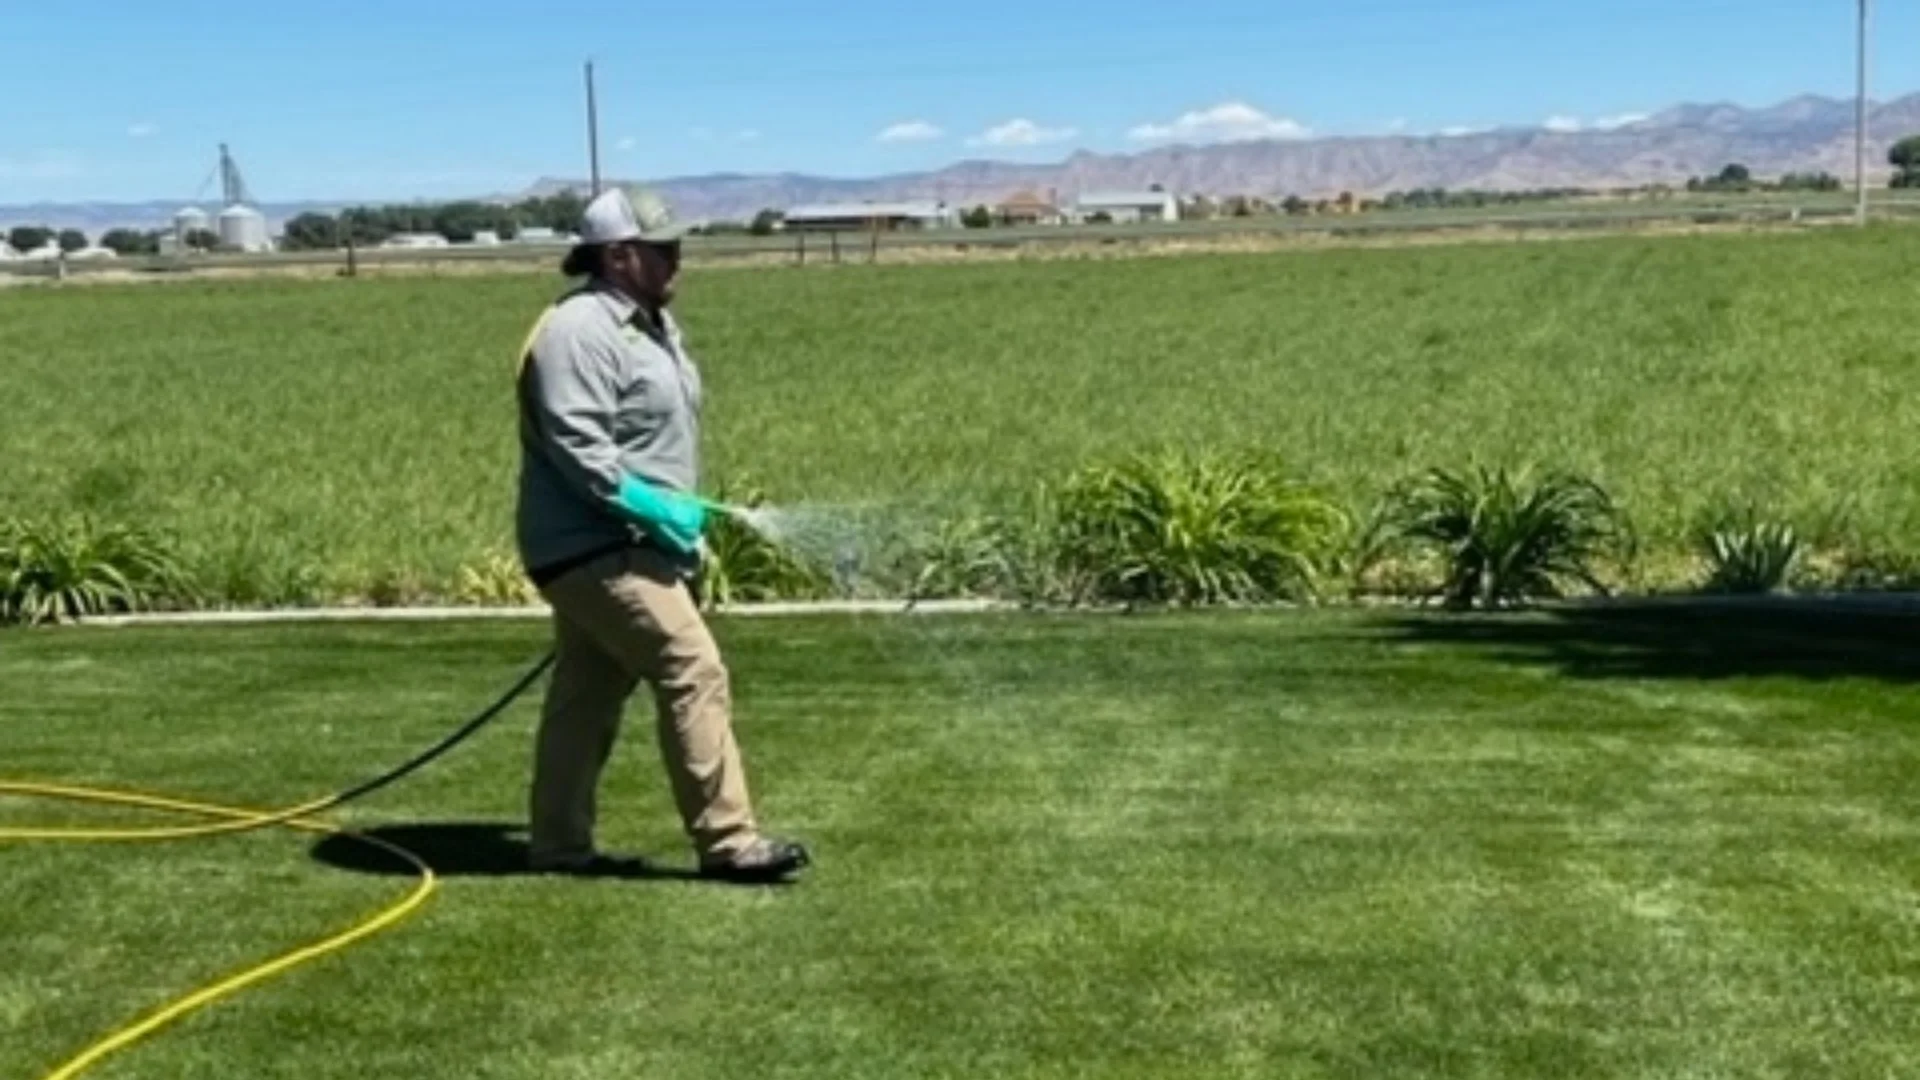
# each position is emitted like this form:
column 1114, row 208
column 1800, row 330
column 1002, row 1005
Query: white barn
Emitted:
column 1127, row 207
column 416, row 240
column 860, row 216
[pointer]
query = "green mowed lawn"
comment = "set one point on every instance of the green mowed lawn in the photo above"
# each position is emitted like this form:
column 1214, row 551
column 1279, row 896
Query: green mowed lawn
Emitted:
column 1302, row 844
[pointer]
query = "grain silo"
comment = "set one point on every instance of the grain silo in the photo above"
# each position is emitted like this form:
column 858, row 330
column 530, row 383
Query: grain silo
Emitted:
column 244, row 229
column 189, row 220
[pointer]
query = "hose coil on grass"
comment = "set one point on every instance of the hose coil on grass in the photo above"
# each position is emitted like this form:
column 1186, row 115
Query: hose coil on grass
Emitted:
column 234, row 819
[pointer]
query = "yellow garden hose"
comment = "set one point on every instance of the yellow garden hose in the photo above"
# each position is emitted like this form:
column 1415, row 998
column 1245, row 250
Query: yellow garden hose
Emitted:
column 236, row 819
column 232, row 819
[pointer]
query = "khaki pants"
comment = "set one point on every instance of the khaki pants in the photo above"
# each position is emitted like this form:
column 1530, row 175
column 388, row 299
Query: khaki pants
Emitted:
column 619, row 620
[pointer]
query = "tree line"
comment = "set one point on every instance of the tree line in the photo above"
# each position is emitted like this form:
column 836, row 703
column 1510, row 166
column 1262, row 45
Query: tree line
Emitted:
column 122, row 241
column 461, row 222
column 1905, row 158
column 33, row 237
column 1738, row 178
column 1735, row 178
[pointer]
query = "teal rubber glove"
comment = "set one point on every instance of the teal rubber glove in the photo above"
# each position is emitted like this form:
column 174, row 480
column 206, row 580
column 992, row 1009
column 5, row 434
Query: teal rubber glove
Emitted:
column 674, row 518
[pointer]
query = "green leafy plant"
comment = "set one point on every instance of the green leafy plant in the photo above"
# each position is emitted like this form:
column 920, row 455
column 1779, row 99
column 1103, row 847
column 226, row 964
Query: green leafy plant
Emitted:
column 1039, row 551
column 967, row 556
column 1746, row 554
column 495, row 579
column 1384, row 563
column 1189, row 529
column 1502, row 539
column 62, row 570
column 1011, row 553
column 744, row 565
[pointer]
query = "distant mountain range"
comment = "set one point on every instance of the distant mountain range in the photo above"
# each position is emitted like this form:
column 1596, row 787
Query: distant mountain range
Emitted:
column 1804, row 134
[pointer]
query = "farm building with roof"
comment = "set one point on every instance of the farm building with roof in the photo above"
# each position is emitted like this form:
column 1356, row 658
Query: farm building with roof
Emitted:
column 1029, row 208
column 862, row 216
column 1127, row 207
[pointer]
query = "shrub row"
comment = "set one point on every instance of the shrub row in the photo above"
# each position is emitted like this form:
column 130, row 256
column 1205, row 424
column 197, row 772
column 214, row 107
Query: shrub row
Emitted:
column 1165, row 528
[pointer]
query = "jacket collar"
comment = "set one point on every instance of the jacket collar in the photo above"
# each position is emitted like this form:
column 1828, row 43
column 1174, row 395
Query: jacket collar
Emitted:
column 626, row 310
column 618, row 304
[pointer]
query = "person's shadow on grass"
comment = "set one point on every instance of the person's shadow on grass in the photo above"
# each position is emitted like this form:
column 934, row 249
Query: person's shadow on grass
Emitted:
column 1692, row 638
column 464, row 849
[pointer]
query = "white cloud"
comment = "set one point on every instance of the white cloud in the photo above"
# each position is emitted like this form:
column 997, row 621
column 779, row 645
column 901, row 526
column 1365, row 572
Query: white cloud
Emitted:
column 1397, row 125
column 1460, row 129
column 910, row 131
column 627, row 143
column 1608, row 123
column 1022, row 132
column 748, row 134
column 1231, row 121
column 1567, row 125
column 142, row 131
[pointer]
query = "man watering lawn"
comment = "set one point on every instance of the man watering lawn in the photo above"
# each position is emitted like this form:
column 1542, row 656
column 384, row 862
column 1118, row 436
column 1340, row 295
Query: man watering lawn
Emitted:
column 610, row 430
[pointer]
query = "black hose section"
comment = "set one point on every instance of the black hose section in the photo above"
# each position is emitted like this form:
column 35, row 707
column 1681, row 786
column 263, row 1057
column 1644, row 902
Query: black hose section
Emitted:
column 456, row 738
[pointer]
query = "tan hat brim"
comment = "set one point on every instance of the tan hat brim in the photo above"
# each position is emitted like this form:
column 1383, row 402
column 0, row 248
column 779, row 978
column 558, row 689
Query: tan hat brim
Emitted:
column 672, row 234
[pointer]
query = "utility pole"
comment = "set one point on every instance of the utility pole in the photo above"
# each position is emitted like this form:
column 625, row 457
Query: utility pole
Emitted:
column 593, row 131
column 1860, row 123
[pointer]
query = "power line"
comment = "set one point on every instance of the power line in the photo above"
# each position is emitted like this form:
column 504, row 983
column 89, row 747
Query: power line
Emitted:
column 593, row 132
column 1860, row 122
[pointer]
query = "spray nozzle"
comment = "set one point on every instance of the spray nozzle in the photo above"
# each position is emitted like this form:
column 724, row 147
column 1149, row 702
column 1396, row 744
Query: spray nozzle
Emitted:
column 743, row 514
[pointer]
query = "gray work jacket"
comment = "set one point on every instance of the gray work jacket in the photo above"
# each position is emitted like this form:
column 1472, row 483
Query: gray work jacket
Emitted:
column 602, row 392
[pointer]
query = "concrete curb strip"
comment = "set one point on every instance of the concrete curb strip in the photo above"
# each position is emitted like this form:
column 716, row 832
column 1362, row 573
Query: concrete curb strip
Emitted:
column 1894, row 604
column 532, row 611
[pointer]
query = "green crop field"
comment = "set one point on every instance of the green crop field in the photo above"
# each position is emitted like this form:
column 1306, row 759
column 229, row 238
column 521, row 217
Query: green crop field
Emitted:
column 319, row 437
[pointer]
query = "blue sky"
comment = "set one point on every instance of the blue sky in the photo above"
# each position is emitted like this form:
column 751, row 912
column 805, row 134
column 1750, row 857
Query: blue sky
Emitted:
column 400, row 99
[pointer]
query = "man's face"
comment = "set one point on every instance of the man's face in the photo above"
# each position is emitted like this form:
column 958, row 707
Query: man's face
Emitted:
column 647, row 272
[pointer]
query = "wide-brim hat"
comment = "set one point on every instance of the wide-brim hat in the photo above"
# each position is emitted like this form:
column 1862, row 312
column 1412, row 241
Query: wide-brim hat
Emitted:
column 616, row 216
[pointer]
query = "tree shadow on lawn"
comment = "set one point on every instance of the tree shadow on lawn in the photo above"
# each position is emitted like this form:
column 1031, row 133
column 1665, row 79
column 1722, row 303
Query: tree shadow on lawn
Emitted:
column 1697, row 639
column 461, row 849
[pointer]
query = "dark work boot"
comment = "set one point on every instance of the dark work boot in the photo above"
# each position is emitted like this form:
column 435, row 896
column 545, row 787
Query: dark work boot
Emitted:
column 762, row 862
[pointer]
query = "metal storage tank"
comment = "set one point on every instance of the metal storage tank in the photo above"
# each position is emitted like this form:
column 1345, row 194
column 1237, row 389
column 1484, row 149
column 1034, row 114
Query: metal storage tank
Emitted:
column 188, row 221
column 244, row 228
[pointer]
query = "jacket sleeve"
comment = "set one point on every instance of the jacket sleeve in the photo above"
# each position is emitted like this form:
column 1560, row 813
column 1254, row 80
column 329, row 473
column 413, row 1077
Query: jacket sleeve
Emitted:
column 571, row 395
